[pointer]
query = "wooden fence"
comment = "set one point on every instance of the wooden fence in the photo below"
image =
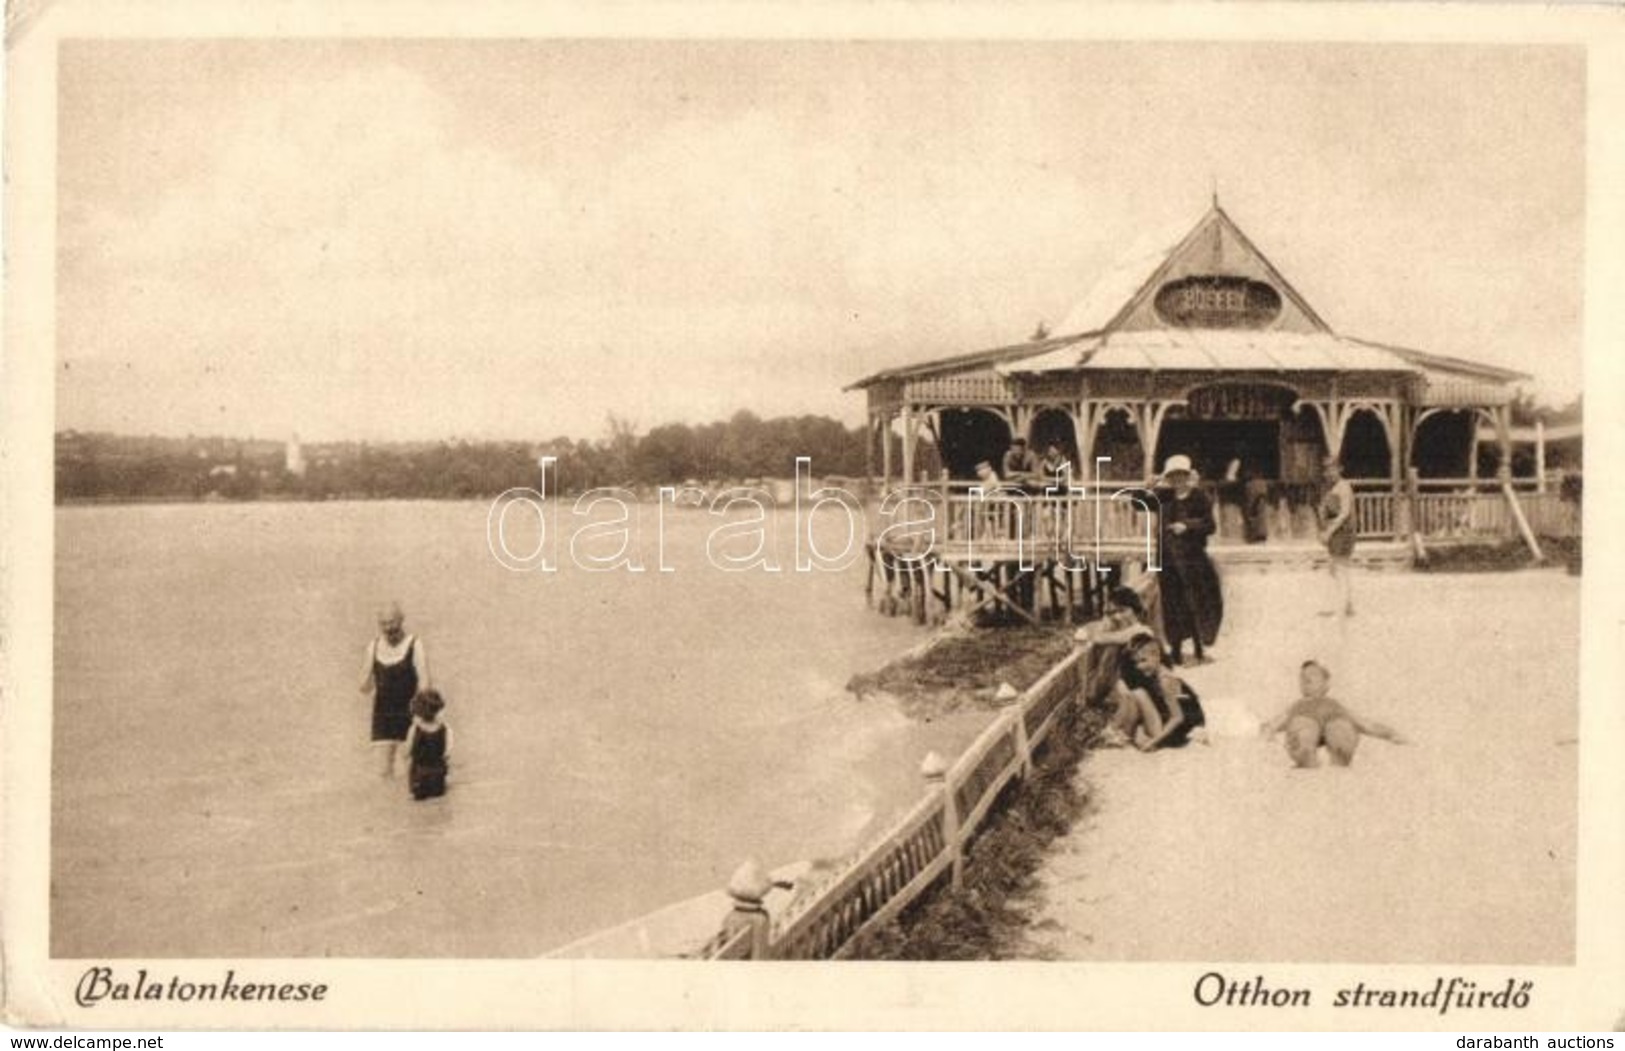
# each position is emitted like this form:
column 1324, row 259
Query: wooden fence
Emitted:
column 1441, row 510
column 1045, row 525
column 1071, row 520
column 1551, row 515
column 1375, row 515
column 927, row 843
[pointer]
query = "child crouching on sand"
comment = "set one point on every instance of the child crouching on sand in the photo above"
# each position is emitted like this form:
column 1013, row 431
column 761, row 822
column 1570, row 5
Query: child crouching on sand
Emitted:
column 1124, row 620
column 1155, row 708
column 428, row 744
column 1316, row 719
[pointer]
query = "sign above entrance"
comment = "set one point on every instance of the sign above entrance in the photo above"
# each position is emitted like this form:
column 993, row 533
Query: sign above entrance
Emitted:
column 1217, row 302
column 1240, row 401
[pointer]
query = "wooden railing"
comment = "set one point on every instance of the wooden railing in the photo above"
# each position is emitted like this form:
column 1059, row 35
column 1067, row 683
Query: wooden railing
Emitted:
column 1438, row 515
column 1550, row 514
column 976, row 389
column 1466, row 508
column 1046, row 525
column 967, row 513
column 1374, row 515
column 928, row 842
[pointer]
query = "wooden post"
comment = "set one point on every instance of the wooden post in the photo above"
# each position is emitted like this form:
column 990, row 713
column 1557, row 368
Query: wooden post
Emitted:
column 1503, row 440
column 748, row 888
column 1403, row 492
column 869, row 450
column 1518, row 516
column 1414, row 512
column 910, row 433
column 935, row 771
column 885, row 453
column 1540, row 456
column 1024, row 747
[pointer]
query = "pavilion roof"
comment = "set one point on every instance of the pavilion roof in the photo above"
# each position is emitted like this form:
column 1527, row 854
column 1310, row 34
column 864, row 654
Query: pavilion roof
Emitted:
column 1100, row 333
column 1203, row 350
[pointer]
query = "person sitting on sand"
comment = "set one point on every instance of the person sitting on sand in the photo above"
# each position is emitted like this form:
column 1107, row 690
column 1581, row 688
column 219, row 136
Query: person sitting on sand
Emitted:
column 1125, row 618
column 1316, row 719
column 1155, row 708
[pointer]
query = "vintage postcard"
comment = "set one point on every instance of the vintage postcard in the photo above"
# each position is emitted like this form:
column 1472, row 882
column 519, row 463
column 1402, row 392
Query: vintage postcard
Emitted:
column 813, row 516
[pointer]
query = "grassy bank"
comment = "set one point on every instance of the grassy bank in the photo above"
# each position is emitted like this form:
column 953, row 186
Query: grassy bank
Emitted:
column 964, row 668
column 989, row 916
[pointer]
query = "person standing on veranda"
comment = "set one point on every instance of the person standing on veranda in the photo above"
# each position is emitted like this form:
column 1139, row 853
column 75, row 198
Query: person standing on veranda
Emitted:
column 396, row 669
column 1020, row 466
column 1337, row 531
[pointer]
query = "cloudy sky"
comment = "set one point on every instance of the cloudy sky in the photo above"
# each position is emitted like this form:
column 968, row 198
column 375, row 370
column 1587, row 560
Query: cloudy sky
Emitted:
column 516, row 238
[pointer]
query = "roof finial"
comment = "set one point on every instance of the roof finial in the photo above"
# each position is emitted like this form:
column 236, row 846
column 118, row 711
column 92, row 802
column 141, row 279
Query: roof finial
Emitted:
column 1214, row 176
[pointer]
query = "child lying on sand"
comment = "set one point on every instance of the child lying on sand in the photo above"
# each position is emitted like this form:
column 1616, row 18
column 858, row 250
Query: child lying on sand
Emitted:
column 1315, row 719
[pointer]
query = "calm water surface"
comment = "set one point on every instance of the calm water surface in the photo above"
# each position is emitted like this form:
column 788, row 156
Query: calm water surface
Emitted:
column 623, row 740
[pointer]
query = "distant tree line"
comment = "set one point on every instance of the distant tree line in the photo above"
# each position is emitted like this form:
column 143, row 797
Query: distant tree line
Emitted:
column 94, row 466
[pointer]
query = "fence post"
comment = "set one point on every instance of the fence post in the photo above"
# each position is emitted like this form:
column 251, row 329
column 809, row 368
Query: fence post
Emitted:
column 1521, row 522
column 935, row 771
column 1402, row 509
column 1413, row 496
column 1540, row 456
column 1024, row 747
column 748, row 888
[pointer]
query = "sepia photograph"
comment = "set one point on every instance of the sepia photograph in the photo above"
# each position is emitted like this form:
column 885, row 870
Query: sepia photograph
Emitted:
column 1019, row 500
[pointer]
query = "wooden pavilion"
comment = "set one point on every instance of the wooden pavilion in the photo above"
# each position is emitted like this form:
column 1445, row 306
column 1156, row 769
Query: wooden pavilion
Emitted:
column 1205, row 349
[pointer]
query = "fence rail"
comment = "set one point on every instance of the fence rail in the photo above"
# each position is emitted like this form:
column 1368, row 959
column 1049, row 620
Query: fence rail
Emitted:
column 1374, row 515
column 1117, row 517
column 966, row 514
column 1462, row 515
column 1551, row 515
column 1442, row 509
column 928, row 842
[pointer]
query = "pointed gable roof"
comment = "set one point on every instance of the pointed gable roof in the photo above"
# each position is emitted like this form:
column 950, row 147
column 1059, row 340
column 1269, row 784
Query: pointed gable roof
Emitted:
column 1215, row 247
column 1118, row 324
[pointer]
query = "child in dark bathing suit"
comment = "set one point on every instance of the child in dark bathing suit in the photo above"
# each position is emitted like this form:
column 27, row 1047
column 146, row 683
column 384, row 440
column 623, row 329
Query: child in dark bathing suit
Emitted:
column 1166, row 712
column 1125, row 619
column 1316, row 719
column 428, row 745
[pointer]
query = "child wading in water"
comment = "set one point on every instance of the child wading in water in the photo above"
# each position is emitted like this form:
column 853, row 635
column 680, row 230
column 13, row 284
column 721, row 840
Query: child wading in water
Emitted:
column 1315, row 719
column 428, row 744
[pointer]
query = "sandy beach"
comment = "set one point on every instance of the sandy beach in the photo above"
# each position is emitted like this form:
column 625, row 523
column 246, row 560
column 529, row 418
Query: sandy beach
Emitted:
column 1457, row 848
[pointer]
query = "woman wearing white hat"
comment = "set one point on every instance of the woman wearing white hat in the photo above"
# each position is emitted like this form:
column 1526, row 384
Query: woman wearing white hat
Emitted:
column 1192, row 605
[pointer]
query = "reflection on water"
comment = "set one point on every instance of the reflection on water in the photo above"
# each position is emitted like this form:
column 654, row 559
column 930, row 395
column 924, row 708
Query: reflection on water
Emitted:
column 623, row 740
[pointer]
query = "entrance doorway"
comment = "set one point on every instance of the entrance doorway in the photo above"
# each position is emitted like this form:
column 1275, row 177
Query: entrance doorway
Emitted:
column 1213, row 444
column 970, row 436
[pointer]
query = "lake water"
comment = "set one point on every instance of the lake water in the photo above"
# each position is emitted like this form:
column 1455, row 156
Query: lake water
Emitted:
column 623, row 740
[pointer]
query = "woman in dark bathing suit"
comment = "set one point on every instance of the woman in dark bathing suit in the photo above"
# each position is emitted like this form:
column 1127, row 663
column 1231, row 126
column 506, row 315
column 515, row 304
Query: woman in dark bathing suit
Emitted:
column 396, row 670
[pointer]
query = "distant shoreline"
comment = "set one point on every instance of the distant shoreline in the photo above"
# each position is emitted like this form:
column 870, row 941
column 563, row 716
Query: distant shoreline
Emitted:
column 348, row 498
